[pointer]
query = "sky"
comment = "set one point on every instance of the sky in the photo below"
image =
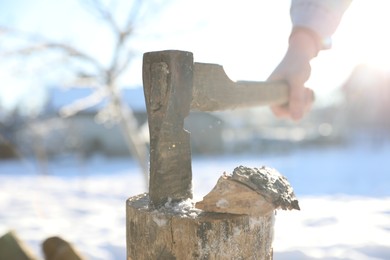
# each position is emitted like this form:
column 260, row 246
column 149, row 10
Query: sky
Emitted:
column 247, row 37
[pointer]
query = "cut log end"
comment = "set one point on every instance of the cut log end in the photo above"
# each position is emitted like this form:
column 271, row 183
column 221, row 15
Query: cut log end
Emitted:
column 250, row 191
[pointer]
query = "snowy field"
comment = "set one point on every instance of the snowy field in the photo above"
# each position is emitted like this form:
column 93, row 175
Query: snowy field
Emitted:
column 344, row 195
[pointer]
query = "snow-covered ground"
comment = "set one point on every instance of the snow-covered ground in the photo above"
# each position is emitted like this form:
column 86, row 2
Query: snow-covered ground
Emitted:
column 344, row 195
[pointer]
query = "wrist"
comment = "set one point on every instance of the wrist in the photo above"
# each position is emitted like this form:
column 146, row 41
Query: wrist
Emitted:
column 305, row 41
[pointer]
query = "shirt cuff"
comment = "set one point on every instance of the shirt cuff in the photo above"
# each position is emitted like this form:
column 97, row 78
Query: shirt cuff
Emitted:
column 321, row 17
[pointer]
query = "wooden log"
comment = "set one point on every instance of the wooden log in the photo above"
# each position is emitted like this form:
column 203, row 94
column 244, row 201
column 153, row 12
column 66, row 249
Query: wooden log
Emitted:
column 56, row 248
column 12, row 248
column 180, row 231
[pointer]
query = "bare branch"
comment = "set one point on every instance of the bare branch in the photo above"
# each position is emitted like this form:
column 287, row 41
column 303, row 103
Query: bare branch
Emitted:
column 83, row 103
column 48, row 46
column 133, row 14
column 25, row 51
column 74, row 52
column 122, row 67
column 88, row 69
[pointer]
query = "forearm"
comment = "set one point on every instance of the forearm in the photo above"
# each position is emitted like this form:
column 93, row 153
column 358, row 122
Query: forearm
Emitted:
column 314, row 22
column 304, row 42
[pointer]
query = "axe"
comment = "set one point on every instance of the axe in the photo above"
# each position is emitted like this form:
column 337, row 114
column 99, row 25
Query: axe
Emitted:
column 173, row 86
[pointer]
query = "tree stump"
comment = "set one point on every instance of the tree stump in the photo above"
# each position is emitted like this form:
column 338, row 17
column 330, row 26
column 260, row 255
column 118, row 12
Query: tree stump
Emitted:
column 177, row 232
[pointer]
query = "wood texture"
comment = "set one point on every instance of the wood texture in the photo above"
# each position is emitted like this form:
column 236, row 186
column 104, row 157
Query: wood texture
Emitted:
column 232, row 197
column 250, row 191
column 12, row 248
column 56, row 248
column 185, row 234
column 167, row 78
column 214, row 91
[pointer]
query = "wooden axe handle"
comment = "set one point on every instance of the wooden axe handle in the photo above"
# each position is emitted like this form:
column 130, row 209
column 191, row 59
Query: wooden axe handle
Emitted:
column 213, row 90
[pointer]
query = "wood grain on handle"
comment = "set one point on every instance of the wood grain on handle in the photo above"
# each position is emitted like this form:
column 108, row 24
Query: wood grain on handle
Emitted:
column 214, row 91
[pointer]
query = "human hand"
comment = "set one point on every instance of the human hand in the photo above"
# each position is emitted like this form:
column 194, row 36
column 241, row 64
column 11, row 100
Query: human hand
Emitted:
column 295, row 70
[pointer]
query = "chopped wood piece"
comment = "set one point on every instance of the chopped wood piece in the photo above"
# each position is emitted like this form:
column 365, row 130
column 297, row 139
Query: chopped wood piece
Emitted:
column 250, row 191
column 269, row 183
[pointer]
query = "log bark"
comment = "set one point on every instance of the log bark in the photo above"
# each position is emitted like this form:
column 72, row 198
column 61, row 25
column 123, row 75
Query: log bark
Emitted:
column 182, row 232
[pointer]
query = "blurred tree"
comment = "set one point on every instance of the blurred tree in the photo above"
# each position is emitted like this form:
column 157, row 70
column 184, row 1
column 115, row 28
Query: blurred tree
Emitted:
column 120, row 18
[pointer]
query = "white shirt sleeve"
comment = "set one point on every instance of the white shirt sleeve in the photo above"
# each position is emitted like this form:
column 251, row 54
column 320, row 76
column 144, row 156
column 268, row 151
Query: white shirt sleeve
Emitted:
column 320, row 16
